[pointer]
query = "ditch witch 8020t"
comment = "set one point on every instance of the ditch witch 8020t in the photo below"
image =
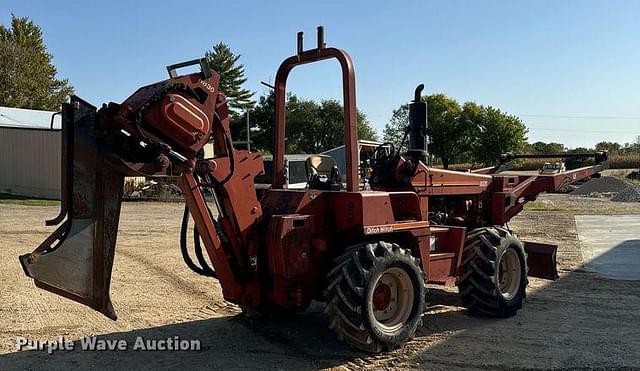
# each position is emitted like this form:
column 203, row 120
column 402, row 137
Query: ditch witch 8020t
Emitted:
column 367, row 254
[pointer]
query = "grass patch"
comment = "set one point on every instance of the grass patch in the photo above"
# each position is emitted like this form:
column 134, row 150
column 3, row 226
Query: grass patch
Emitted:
column 6, row 198
column 539, row 206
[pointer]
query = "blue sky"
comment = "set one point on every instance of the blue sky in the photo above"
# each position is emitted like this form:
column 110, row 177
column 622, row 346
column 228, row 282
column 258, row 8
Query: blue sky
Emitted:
column 569, row 69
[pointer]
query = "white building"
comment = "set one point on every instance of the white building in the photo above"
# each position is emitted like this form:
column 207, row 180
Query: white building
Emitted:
column 29, row 153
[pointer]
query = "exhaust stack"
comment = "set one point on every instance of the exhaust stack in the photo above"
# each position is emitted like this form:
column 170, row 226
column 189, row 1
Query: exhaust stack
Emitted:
column 418, row 127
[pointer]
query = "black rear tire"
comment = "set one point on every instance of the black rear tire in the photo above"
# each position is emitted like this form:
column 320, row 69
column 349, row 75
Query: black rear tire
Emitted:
column 375, row 296
column 493, row 274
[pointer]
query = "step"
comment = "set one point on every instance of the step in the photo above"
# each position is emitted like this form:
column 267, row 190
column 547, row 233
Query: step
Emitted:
column 441, row 255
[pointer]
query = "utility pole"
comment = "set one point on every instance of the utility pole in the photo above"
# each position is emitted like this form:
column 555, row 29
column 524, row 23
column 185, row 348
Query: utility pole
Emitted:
column 248, row 132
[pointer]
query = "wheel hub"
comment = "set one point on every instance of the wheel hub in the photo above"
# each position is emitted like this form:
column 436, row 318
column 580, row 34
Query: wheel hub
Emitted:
column 509, row 274
column 381, row 297
column 393, row 299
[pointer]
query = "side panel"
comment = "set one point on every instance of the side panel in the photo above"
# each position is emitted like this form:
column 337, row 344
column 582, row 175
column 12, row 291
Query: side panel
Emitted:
column 289, row 245
column 445, row 259
column 289, row 253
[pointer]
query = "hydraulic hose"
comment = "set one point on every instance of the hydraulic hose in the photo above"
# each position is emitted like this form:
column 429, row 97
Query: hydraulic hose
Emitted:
column 197, row 248
column 204, row 269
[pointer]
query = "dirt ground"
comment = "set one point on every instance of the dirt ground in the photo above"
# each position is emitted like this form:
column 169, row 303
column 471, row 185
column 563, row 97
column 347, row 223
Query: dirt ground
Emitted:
column 581, row 320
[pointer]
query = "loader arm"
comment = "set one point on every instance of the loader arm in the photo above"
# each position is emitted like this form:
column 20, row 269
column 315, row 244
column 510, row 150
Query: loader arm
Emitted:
column 159, row 131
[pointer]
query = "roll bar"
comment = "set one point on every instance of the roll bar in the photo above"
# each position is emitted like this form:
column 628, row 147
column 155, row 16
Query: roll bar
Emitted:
column 349, row 100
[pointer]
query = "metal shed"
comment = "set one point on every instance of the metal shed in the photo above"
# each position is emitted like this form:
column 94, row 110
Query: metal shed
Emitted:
column 29, row 153
column 366, row 146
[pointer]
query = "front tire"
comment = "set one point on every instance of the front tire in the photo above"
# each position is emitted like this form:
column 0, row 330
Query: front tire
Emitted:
column 493, row 276
column 375, row 296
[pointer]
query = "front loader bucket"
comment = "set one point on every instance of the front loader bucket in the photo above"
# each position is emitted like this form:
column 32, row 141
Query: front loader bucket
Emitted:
column 76, row 260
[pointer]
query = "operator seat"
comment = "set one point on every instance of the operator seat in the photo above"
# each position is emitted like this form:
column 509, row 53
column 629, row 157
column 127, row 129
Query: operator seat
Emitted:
column 323, row 173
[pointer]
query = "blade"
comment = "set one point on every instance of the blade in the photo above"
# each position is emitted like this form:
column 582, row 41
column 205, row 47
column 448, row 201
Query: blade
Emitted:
column 77, row 259
column 541, row 260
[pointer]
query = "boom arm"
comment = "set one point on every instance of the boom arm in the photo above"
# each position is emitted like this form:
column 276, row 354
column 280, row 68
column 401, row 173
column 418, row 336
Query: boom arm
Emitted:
column 513, row 192
column 159, row 131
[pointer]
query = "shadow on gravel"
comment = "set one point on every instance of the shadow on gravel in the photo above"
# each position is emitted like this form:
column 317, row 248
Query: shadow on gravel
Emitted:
column 580, row 320
column 303, row 342
column 226, row 343
column 235, row 342
column 583, row 320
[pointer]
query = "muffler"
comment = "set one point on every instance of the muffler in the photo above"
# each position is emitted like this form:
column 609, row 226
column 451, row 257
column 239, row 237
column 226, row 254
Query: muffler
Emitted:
column 77, row 259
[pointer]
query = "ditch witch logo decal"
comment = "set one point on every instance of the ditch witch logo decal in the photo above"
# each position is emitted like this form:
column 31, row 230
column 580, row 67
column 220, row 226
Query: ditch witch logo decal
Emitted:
column 98, row 344
column 378, row 229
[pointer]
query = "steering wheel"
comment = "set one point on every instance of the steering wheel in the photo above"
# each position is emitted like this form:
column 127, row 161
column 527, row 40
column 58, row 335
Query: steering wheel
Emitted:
column 384, row 151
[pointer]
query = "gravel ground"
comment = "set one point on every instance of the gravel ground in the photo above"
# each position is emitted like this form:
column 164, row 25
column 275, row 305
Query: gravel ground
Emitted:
column 608, row 186
column 630, row 194
column 579, row 321
column 602, row 185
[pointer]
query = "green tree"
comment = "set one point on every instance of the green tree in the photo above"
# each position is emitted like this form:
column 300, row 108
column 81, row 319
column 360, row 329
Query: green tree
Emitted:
column 303, row 126
column 612, row 147
column 449, row 133
column 543, row 148
column 27, row 74
column 365, row 130
column 448, row 129
column 580, row 150
column 494, row 133
column 324, row 129
column 631, row 148
column 394, row 131
column 460, row 134
column 222, row 60
column 312, row 127
column 261, row 119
